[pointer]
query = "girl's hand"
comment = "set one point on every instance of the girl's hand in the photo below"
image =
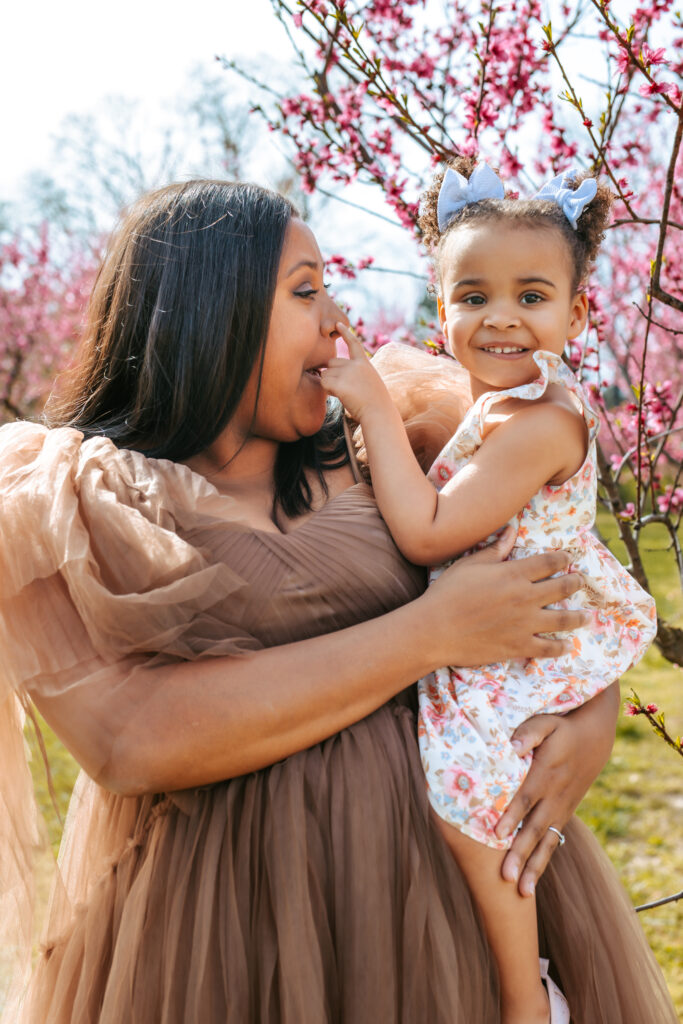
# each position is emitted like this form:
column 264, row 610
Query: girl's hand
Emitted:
column 354, row 381
column 569, row 753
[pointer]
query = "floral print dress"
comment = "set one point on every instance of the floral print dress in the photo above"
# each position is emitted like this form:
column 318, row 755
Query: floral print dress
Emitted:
column 467, row 715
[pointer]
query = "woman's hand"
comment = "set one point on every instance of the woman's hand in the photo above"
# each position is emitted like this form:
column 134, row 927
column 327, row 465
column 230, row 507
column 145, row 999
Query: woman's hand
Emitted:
column 484, row 609
column 569, row 753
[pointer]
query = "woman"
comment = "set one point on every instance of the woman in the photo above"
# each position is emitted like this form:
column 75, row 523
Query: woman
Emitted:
column 197, row 589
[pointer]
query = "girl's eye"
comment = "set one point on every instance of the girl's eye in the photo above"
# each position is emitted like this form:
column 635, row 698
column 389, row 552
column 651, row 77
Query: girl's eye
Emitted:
column 474, row 300
column 531, row 298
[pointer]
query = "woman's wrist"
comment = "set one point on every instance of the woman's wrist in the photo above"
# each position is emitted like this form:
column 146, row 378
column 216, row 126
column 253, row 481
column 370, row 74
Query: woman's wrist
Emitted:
column 599, row 718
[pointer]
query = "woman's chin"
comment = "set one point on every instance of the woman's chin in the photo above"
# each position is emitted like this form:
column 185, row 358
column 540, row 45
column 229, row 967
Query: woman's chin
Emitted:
column 313, row 417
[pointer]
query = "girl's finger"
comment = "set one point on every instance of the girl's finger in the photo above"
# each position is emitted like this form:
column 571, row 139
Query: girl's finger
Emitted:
column 356, row 350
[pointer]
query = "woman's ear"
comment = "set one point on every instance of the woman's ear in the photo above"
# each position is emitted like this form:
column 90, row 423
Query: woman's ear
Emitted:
column 442, row 316
column 579, row 315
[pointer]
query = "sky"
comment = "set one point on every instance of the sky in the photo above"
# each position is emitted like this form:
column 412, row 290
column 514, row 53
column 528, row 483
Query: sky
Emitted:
column 61, row 58
column 58, row 59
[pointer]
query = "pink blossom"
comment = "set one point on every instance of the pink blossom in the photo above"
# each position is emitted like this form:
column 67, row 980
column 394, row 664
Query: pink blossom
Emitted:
column 652, row 88
column 651, row 56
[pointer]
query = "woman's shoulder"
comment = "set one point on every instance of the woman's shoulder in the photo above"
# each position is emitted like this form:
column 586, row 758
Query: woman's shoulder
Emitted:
column 102, row 538
column 42, row 463
column 66, row 500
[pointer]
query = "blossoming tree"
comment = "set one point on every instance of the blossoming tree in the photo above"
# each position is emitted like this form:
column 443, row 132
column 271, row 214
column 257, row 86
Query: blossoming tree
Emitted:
column 391, row 90
column 42, row 299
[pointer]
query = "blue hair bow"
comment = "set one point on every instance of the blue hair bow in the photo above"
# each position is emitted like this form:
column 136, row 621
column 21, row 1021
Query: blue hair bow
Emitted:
column 572, row 202
column 457, row 191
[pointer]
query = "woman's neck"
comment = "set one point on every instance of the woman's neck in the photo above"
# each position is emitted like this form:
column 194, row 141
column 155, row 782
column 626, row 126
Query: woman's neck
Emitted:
column 245, row 469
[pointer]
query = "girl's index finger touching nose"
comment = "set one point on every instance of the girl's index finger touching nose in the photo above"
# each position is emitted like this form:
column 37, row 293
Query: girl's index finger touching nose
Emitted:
column 356, row 350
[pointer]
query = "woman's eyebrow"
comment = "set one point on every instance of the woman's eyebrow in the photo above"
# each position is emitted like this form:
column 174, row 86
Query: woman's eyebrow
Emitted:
column 303, row 263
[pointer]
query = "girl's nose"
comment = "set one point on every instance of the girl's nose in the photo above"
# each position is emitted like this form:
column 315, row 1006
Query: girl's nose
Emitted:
column 501, row 318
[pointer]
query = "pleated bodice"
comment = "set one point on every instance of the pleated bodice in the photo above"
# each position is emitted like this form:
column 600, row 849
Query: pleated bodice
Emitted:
column 338, row 567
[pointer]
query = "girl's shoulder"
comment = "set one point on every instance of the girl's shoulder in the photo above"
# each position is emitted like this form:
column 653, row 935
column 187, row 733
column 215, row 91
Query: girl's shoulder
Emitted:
column 555, row 405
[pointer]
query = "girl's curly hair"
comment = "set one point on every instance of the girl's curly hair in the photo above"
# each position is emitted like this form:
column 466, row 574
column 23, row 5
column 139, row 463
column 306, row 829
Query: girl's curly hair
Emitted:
column 583, row 243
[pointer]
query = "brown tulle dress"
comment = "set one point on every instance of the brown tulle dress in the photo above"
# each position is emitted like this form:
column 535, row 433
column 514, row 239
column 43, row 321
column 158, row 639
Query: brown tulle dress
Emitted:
column 313, row 892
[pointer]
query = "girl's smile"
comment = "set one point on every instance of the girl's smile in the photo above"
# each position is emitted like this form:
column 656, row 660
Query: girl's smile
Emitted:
column 507, row 294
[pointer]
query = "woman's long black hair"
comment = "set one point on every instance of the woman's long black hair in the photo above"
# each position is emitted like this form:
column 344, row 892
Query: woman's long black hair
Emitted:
column 178, row 321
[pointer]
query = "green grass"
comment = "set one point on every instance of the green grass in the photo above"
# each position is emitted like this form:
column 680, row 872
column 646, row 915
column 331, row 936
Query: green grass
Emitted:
column 635, row 807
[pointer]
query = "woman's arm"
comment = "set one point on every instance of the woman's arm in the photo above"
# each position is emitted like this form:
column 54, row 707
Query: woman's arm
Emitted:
column 194, row 723
column 569, row 753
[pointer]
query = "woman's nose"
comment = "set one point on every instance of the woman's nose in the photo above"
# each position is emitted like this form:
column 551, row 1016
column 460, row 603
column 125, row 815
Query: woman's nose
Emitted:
column 333, row 314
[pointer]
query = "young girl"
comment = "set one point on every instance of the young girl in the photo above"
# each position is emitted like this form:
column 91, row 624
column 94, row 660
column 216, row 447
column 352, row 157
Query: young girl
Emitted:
column 510, row 275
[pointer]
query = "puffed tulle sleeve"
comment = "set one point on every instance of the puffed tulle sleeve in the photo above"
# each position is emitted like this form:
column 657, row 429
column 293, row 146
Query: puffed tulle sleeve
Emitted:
column 99, row 581
column 431, row 393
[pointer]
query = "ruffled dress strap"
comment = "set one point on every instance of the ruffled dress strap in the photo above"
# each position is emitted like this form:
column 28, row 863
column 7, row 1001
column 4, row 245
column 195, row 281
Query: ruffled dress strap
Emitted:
column 552, row 370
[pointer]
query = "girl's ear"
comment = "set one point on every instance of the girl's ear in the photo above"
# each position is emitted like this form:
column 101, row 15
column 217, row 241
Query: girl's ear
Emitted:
column 579, row 315
column 442, row 316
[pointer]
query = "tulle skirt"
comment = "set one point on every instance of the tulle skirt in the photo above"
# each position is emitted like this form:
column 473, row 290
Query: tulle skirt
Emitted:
column 314, row 892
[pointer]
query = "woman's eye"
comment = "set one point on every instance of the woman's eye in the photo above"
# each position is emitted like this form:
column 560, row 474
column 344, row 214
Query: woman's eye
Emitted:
column 306, row 293
column 531, row 298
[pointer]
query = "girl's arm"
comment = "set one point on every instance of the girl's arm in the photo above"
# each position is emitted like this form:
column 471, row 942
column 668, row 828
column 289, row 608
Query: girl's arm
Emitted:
column 522, row 454
column 193, row 723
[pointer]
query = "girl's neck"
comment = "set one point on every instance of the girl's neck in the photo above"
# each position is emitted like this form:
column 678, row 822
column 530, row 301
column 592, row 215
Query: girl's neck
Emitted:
column 480, row 387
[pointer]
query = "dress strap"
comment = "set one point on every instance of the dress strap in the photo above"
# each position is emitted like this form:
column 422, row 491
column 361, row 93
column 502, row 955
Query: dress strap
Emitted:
column 552, row 370
column 350, row 447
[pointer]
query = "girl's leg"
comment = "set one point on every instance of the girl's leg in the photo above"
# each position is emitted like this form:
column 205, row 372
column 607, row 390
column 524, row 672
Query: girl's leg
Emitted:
column 511, row 928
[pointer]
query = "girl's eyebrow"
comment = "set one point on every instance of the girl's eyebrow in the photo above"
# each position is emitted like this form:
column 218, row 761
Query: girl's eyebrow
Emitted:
column 468, row 280
column 534, row 280
column 465, row 281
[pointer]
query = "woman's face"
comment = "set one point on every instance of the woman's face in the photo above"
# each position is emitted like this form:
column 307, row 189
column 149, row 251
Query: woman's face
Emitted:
column 301, row 340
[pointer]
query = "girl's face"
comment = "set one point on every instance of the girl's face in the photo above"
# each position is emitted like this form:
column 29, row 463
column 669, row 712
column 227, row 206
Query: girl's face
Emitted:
column 301, row 340
column 506, row 293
